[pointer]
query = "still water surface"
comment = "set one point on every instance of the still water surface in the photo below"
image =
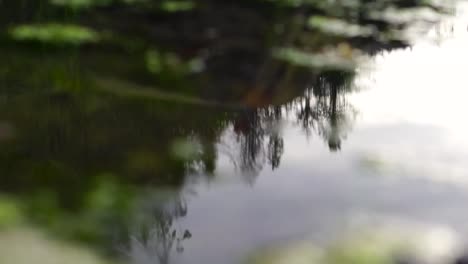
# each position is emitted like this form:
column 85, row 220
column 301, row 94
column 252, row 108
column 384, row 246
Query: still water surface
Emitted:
column 405, row 156
column 204, row 184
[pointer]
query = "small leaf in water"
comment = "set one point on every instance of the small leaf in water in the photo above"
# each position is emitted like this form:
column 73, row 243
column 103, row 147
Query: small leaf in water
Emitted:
column 187, row 234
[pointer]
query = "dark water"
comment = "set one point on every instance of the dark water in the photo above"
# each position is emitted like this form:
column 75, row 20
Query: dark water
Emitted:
column 168, row 145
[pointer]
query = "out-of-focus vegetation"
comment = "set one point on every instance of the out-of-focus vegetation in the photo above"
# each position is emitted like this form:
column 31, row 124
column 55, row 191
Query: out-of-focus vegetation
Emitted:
column 23, row 246
column 390, row 245
column 54, row 33
column 104, row 101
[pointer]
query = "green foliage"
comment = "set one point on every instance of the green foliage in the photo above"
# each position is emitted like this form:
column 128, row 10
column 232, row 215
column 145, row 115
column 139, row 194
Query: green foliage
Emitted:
column 340, row 59
column 86, row 4
column 54, row 33
column 298, row 254
column 27, row 245
column 185, row 149
column 170, row 64
column 154, row 61
column 340, row 27
column 374, row 247
column 78, row 4
column 10, row 213
column 369, row 252
column 101, row 209
column 177, row 5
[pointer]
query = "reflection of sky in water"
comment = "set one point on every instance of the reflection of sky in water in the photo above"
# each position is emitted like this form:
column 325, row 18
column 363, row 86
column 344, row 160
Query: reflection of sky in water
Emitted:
column 414, row 115
column 408, row 141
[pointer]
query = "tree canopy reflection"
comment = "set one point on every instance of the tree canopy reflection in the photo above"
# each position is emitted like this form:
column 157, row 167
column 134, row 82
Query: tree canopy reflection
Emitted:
column 100, row 99
column 157, row 236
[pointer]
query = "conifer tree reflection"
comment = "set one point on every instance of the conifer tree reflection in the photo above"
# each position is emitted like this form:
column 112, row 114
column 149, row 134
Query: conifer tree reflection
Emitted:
column 324, row 109
column 275, row 147
column 250, row 135
column 258, row 140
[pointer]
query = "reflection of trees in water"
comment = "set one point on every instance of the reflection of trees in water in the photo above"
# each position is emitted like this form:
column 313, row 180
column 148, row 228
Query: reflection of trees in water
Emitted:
column 258, row 140
column 322, row 109
column 70, row 132
column 250, row 135
column 275, row 147
column 275, row 150
column 158, row 237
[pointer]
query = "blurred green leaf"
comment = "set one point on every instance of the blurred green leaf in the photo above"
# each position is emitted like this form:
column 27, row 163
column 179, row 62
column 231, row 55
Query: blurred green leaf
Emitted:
column 25, row 246
column 154, row 61
column 340, row 58
column 185, row 149
column 177, row 6
column 339, row 27
column 80, row 3
column 10, row 213
column 55, row 33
